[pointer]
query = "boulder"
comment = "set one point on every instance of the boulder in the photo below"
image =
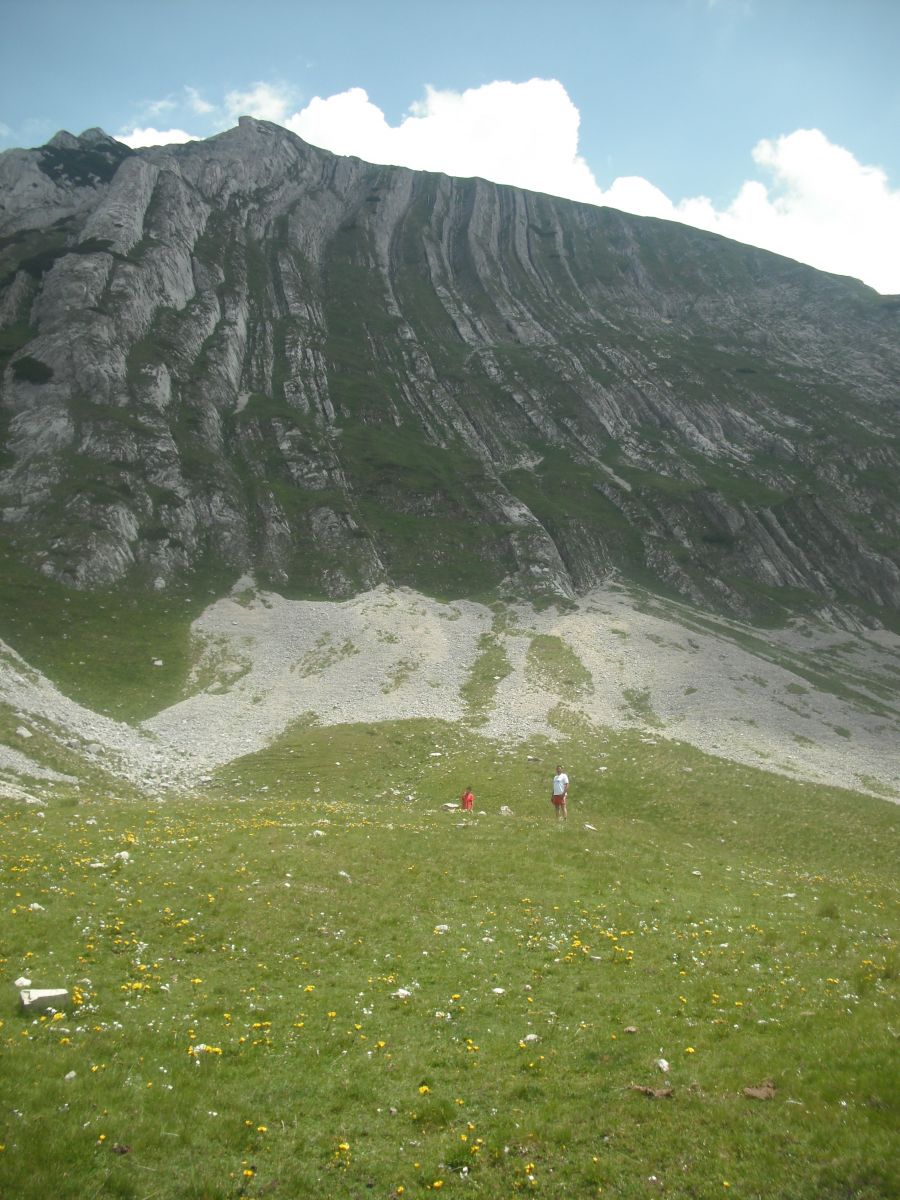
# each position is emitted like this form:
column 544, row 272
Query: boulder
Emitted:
column 38, row 1000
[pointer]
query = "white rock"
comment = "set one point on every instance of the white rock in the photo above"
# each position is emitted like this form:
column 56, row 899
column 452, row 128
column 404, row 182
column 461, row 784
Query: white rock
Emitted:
column 505, row 810
column 22, row 732
column 42, row 999
column 663, row 1065
column 23, row 982
column 401, row 994
column 69, row 1076
column 35, row 907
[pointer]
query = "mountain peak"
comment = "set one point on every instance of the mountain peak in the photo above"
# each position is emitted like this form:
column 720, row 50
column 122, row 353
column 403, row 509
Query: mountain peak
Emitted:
column 63, row 140
column 95, row 136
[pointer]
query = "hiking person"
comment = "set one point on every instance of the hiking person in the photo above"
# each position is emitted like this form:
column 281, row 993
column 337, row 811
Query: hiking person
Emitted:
column 466, row 800
column 560, row 793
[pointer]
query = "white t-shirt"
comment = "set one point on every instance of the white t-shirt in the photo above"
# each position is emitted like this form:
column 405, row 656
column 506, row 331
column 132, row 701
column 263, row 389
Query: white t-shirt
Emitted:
column 560, row 783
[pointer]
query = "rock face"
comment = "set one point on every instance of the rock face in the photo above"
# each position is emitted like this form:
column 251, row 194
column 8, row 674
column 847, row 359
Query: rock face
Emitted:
column 250, row 352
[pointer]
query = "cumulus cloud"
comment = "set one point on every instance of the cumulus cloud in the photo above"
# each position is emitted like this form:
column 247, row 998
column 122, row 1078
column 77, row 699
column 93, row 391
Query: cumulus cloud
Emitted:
column 154, row 137
column 265, row 101
column 525, row 134
column 155, row 107
column 816, row 202
column 196, row 103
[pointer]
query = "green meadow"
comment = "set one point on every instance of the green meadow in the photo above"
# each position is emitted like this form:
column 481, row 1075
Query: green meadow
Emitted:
column 311, row 980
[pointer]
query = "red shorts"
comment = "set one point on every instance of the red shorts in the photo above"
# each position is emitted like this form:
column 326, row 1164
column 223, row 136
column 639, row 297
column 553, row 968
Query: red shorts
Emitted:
column 467, row 802
column 559, row 801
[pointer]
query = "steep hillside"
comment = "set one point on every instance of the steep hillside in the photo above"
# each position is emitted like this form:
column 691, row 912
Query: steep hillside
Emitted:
column 248, row 354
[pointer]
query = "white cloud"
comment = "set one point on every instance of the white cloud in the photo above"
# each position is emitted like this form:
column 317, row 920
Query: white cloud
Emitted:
column 525, row 134
column 196, row 102
column 820, row 205
column 155, row 107
column 265, row 101
column 154, row 137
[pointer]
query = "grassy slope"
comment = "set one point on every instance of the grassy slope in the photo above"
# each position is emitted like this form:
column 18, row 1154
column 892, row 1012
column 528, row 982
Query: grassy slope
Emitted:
column 775, row 961
column 100, row 648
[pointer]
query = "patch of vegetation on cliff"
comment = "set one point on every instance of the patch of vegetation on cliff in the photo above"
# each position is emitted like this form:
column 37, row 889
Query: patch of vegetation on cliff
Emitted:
column 31, row 370
column 13, row 338
column 420, row 504
column 85, row 165
column 33, row 250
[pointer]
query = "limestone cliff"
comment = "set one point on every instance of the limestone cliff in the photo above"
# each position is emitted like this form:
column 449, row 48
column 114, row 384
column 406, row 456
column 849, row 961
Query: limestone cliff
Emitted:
column 250, row 351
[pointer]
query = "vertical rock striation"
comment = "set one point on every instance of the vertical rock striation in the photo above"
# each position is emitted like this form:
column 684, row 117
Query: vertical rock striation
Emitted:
column 251, row 351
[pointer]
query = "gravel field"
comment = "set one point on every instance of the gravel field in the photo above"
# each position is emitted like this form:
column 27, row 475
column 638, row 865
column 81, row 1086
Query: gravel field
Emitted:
column 757, row 697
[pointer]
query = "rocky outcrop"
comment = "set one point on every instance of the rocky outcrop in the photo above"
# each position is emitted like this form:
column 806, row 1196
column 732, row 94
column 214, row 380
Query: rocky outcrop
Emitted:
column 250, row 351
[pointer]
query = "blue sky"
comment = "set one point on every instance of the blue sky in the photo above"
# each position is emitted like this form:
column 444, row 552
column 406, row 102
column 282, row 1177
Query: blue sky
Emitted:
column 775, row 121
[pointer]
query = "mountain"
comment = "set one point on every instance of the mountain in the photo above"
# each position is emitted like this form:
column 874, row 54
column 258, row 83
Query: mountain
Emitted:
column 249, row 355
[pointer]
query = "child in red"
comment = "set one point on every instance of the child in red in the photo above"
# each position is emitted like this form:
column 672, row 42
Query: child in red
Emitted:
column 466, row 800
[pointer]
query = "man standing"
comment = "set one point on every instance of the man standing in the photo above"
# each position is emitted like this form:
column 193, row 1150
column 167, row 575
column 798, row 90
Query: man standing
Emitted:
column 560, row 794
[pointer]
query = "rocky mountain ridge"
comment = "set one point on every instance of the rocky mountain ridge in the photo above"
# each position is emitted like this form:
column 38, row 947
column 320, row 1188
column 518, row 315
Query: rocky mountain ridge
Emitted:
column 251, row 352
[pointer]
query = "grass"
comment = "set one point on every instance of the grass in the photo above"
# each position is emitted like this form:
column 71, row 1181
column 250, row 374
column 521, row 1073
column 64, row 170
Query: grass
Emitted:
column 101, row 647
column 490, row 668
column 553, row 663
column 638, row 701
column 324, row 654
column 242, row 1029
